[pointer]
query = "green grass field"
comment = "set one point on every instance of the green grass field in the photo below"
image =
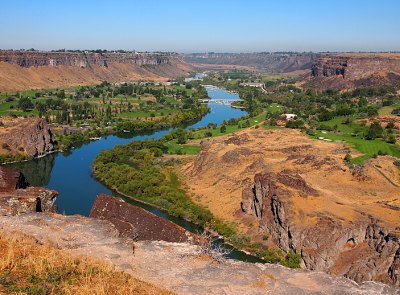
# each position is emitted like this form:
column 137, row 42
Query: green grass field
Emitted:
column 367, row 147
column 187, row 149
column 346, row 128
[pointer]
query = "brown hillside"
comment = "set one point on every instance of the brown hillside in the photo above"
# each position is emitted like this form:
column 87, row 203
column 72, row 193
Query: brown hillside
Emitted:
column 14, row 77
column 227, row 165
column 300, row 193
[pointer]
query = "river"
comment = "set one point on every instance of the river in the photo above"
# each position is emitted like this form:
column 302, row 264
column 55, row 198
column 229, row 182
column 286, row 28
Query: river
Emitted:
column 69, row 172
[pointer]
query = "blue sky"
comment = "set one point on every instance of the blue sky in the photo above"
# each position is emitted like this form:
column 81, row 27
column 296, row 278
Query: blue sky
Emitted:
column 202, row 26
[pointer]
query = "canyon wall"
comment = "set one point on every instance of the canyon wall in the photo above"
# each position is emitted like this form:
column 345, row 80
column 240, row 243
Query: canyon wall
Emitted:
column 353, row 67
column 361, row 249
column 23, row 70
column 347, row 71
column 37, row 58
column 276, row 62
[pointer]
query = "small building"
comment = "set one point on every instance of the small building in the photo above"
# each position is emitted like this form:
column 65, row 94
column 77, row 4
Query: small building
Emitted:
column 374, row 100
column 289, row 117
column 253, row 84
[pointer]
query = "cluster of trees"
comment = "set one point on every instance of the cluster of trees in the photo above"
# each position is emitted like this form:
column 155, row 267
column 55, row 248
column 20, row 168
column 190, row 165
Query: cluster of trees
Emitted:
column 164, row 122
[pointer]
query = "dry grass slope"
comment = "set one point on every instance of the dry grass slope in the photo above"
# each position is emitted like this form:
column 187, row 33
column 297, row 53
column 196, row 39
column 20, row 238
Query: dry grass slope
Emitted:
column 30, row 267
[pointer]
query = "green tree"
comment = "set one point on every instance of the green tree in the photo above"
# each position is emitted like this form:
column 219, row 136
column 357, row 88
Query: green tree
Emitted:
column 374, row 131
column 25, row 103
column 223, row 129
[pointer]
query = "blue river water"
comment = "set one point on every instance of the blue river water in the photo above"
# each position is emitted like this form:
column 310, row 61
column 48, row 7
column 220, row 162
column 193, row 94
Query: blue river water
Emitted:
column 70, row 174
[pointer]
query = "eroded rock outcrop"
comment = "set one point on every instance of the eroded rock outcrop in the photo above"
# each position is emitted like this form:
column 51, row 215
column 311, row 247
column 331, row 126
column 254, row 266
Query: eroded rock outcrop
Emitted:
column 17, row 197
column 360, row 248
column 353, row 67
column 29, row 200
column 137, row 223
column 349, row 70
column 32, row 134
column 11, row 180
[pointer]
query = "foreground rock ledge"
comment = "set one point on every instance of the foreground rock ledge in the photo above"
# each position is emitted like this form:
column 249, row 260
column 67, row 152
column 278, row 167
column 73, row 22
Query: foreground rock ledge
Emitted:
column 176, row 266
column 137, row 223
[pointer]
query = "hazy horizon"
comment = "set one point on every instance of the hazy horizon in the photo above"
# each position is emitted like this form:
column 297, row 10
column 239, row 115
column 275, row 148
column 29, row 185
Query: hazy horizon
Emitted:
column 201, row 27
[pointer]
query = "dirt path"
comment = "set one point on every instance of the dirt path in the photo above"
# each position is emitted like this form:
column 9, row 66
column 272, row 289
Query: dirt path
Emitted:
column 383, row 174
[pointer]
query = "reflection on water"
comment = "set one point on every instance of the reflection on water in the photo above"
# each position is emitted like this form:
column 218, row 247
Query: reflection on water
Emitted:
column 37, row 171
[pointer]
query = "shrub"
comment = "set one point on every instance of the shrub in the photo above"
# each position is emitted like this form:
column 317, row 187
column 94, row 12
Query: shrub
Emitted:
column 5, row 146
column 347, row 158
column 292, row 260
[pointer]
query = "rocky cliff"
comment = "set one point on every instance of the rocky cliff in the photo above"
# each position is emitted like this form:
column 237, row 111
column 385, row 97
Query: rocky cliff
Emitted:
column 28, row 135
column 278, row 62
column 353, row 67
column 354, row 70
column 301, row 194
column 178, row 267
column 17, row 197
column 36, row 58
column 361, row 250
column 21, row 70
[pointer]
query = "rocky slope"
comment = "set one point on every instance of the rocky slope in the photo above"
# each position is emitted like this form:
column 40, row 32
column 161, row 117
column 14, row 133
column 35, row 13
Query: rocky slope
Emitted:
column 26, row 135
column 22, row 70
column 287, row 185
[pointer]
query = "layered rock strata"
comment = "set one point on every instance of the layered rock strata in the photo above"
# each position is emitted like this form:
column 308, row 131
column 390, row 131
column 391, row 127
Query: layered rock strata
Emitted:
column 36, row 58
column 279, row 62
column 23, row 70
column 352, row 67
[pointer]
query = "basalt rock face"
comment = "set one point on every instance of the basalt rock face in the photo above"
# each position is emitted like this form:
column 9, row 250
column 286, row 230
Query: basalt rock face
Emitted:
column 17, row 197
column 344, row 71
column 29, row 200
column 280, row 62
column 32, row 134
column 11, row 180
column 351, row 68
column 23, row 70
column 361, row 250
column 137, row 223
column 34, row 59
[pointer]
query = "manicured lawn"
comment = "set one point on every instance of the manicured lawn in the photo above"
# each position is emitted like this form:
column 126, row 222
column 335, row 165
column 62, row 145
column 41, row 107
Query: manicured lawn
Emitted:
column 386, row 110
column 175, row 148
column 367, row 147
column 347, row 128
